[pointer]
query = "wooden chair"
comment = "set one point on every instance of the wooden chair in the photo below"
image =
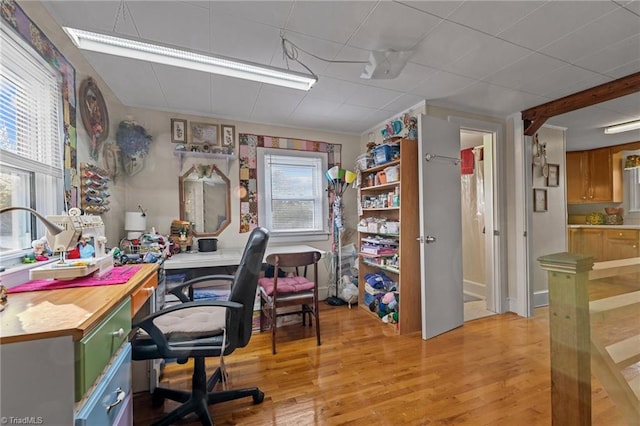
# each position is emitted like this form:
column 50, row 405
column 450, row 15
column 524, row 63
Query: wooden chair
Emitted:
column 279, row 292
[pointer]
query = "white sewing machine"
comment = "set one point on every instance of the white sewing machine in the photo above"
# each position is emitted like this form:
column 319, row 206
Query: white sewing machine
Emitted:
column 75, row 225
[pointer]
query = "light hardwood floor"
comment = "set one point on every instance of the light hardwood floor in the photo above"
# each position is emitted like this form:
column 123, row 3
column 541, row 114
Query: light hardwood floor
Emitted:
column 491, row 371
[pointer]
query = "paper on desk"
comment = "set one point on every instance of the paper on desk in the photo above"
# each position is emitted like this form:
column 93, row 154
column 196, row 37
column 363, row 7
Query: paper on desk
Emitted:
column 44, row 315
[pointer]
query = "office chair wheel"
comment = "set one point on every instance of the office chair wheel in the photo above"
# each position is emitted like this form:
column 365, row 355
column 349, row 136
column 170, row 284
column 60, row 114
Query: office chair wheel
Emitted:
column 258, row 397
column 156, row 400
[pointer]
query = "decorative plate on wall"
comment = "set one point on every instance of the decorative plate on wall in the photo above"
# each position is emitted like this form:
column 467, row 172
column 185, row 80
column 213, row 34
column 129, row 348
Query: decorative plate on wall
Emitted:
column 95, row 116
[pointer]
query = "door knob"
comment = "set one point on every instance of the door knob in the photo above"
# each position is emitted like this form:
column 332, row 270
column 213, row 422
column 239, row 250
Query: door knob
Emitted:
column 430, row 239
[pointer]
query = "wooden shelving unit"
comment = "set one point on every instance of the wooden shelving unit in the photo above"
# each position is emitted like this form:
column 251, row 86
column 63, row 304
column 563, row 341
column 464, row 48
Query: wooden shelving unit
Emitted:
column 404, row 268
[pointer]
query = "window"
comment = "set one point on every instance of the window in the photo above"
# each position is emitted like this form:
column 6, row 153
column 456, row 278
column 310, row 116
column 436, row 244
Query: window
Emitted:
column 31, row 144
column 292, row 191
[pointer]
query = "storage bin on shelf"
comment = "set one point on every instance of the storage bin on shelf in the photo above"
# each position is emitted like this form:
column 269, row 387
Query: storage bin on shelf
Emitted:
column 385, row 152
column 391, row 173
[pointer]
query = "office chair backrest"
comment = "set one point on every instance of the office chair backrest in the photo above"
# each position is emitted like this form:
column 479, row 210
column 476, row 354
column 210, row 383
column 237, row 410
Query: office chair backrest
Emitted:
column 245, row 284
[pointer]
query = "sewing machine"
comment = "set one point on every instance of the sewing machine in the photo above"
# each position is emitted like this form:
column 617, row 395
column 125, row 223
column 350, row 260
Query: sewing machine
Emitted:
column 76, row 226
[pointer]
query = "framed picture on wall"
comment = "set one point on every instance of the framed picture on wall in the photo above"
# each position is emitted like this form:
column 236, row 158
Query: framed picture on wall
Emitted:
column 228, row 135
column 539, row 200
column 178, row 130
column 205, row 134
column 553, row 177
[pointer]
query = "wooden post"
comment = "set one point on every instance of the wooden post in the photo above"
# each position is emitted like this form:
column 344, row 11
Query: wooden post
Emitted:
column 570, row 333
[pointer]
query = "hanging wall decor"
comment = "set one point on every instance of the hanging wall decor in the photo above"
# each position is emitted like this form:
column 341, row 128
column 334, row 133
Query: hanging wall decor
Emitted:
column 95, row 116
column 133, row 141
column 248, row 146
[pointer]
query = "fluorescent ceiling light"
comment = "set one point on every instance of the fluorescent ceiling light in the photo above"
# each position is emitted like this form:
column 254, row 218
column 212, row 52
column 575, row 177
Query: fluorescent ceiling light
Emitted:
column 168, row 55
column 624, row 127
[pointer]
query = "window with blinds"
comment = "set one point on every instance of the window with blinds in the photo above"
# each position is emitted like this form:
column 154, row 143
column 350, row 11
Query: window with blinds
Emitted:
column 292, row 194
column 31, row 141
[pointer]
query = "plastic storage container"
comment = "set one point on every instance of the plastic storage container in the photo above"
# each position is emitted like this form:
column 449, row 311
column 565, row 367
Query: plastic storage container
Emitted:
column 392, row 173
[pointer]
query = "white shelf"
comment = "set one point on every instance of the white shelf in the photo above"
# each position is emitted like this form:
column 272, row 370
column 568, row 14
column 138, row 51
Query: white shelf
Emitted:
column 182, row 154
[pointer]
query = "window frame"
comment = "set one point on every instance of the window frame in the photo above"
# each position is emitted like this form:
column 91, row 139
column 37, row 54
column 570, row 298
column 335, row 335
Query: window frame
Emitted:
column 44, row 180
column 321, row 234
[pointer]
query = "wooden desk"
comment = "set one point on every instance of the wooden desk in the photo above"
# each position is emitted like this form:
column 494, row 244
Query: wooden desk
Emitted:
column 226, row 257
column 42, row 334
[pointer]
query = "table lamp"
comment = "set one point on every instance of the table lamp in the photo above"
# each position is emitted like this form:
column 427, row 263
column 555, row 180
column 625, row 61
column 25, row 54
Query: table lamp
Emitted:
column 135, row 223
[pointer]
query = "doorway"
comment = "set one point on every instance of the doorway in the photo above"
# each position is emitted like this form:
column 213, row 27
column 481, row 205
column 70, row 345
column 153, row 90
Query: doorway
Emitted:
column 476, row 247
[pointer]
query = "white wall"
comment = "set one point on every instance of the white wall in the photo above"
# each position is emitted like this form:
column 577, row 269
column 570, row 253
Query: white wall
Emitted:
column 548, row 229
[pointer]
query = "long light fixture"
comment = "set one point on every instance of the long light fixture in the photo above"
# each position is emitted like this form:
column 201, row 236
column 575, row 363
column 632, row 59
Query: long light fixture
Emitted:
column 169, row 55
column 624, row 127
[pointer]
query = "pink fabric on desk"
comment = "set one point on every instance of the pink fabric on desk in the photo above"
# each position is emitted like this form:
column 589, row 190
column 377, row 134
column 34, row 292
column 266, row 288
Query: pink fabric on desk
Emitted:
column 116, row 275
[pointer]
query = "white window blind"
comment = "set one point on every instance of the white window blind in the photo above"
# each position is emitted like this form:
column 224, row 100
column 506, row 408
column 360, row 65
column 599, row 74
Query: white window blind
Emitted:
column 292, row 193
column 30, row 113
column 31, row 143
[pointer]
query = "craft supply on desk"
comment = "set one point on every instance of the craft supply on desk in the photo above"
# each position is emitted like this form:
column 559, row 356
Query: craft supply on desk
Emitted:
column 117, row 275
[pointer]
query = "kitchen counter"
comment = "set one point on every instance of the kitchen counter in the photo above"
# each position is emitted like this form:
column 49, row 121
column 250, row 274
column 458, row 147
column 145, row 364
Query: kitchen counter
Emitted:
column 579, row 226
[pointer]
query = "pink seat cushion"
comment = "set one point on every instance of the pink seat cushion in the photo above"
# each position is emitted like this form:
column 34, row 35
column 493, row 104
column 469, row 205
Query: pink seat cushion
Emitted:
column 286, row 285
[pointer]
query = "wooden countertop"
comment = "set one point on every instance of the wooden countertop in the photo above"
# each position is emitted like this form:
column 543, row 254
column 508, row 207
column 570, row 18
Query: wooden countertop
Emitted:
column 68, row 312
column 575, row 226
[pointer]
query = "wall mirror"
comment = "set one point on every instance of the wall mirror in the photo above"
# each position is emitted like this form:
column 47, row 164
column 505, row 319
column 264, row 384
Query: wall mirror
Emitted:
column 205, row 199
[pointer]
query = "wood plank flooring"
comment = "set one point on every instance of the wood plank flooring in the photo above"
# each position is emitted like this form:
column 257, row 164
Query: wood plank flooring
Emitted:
column 491, row 371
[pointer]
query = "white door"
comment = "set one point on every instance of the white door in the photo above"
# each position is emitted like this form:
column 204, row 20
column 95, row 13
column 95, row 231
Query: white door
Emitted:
column 440, row 226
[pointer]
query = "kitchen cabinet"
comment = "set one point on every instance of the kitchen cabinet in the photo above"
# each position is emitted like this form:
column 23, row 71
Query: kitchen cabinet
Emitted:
column 387, row 237
column 621, row 244
column 603, row 243
column 593, row 176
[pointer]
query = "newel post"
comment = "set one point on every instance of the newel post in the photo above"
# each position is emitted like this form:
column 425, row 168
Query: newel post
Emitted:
column 570, row 334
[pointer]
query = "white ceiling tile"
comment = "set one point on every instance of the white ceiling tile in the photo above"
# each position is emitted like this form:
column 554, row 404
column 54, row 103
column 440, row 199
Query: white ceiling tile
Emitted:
column 100, row 16
column 607, row 30
column 244, row 40
column 381, row 30
column 622, row 52
column 495, row 100
column 184, row 88
column 445, row 44
column 518, row 74
column 368, row 96
column 329, row 20
column 311, row 106
column 273, row 102
column 629, row 105
column 441, row 85
column 137, row 86
column 232, row 97
column 492, row 17
column 620, row 71
column 355, row 111
column 633, row 6
column 332, row 89
column 308, row 50
column 174, row 23
column 564, row 81
column 273, row 13
column 438, row 8
column 402, row 103
column 491, row 56
column 554, row 20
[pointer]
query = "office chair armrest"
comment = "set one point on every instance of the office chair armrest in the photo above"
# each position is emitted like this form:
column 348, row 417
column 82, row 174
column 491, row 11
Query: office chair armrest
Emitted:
column 159, row 338
column 178, row 290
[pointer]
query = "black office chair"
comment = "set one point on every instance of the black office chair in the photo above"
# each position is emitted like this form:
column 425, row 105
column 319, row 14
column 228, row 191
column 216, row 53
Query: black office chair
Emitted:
column 201, row 329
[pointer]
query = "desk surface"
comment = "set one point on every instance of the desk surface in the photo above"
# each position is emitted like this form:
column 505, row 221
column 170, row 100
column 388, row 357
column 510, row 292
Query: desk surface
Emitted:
column 71, row 312
column 226, row 257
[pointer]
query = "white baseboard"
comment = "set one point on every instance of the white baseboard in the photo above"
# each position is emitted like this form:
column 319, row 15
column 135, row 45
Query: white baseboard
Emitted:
column 541, row 298
column 474, row 289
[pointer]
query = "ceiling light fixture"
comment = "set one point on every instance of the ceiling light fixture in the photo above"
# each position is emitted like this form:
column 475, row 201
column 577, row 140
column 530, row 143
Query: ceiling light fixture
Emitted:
column 624, row 127
column 169, row 55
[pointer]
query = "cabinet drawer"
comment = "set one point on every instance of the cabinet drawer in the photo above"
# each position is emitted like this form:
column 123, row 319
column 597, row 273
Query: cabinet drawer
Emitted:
column 95, row 350
column 140, row 296
column 110, row 400
column 622, row 234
